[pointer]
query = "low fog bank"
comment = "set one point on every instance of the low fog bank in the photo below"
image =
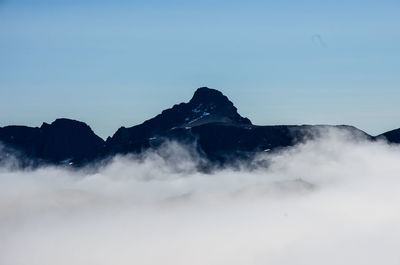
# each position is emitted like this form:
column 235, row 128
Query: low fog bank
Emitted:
column 331, row 200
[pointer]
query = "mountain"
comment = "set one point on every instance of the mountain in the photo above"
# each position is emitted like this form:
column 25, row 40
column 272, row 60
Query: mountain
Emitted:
column 207, row 106
column 62, row 140
column 391, row 136
column 209, row 120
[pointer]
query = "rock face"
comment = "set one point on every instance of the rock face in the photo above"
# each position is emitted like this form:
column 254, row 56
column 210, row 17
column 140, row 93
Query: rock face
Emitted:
column 209, row 119
column 211, row 105
column 61, row 140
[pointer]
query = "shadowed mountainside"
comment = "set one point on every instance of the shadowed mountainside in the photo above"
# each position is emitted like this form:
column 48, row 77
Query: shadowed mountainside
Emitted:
column 63, row 140
column 391, row 136
column 209, row 119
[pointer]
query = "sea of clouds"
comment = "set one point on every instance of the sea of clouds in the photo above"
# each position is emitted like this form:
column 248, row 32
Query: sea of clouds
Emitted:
column 331, row 200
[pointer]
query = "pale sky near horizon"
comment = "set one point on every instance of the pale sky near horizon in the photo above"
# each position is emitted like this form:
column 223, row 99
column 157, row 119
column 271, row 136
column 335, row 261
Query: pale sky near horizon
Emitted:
column 118, row 63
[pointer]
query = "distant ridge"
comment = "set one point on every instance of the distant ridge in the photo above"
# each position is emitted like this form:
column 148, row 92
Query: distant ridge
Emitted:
column 62, row 140
column 209, row 119
column 391, row 136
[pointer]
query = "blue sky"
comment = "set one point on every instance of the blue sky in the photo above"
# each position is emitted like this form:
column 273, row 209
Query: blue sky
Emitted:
column 118, row 63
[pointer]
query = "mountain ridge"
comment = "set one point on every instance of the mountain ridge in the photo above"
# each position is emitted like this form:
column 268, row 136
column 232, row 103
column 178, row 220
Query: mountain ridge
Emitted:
column 208, row 119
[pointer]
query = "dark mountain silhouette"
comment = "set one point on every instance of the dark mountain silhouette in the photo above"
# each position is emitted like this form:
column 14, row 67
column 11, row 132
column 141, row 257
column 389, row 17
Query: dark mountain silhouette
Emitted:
column 212, row 121
column 62, row 140
column 207, row 106
column 209, row 119
column 391, row 136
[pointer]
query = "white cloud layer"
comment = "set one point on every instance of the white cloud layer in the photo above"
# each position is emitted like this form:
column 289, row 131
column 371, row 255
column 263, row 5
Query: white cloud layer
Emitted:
column 333, row 200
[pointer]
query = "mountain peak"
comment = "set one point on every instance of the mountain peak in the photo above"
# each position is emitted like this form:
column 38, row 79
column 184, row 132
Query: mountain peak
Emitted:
column 206, row 106
column 64, row 123
column 205, row 94
column 210, row 101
